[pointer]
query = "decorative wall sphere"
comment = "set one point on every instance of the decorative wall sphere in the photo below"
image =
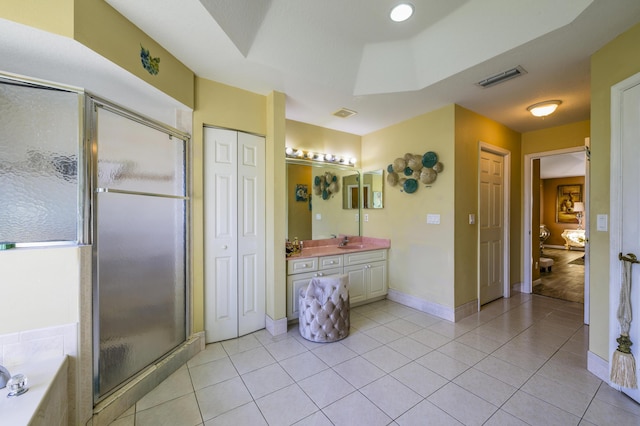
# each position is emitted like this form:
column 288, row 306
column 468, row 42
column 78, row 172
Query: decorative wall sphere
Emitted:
column 438, row 167
column 399, row 165
column 392, row 178
column 415, row 162
column 428, row 175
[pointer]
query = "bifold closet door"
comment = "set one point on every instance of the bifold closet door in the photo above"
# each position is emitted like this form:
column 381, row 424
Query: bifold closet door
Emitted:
column 234, row 227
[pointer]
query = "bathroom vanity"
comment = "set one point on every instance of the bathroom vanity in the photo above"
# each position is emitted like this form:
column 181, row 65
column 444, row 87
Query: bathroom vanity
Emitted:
column 363, row 259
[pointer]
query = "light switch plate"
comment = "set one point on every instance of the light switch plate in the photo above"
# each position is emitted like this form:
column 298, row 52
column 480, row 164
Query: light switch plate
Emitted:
column 318, row 216
column 472, row 219
column 433, row 219
column 602, row 222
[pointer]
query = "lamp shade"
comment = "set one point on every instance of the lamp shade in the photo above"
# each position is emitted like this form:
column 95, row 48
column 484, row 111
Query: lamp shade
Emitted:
column 578, row 206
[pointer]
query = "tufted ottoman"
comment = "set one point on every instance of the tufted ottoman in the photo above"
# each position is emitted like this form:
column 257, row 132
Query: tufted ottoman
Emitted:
column 324, row 309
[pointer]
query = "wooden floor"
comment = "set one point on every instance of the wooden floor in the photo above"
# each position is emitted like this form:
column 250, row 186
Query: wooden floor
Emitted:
column 566, row 279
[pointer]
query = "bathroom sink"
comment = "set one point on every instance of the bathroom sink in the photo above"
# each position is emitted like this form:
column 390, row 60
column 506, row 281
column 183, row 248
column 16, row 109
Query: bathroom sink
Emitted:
column 352, row 246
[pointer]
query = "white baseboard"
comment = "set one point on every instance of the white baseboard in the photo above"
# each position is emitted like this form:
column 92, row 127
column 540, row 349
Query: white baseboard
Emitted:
column 598, row 366
column 465, row 310
column 422, row 305
column 276, row 327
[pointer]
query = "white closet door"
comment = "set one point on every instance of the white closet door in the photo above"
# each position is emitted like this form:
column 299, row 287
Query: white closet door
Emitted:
column 234, row 203
column 251, row 233
column 221, row 229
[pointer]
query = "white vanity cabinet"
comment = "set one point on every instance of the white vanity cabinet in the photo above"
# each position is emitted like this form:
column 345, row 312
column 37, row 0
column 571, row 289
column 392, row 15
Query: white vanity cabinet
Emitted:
column 367, row 271
column 300, row 272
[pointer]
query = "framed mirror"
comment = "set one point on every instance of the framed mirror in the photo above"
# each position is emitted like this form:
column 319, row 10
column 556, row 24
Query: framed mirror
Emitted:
column 367, row 194
column 315, row 201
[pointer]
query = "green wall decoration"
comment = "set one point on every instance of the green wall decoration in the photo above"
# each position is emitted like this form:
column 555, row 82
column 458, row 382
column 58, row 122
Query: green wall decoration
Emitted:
column 406, row 172
column 149, row 63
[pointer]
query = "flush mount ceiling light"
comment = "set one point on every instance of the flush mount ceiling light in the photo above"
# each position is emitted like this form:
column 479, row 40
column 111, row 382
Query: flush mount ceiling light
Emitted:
column 401, row 12
column 542, row 109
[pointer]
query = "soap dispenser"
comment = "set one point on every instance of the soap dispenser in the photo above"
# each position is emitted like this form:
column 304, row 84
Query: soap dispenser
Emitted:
column 4, row 376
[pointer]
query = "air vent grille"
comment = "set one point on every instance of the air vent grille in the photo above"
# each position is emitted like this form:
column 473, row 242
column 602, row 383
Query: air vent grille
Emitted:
column 344, row 113
column 501, row 77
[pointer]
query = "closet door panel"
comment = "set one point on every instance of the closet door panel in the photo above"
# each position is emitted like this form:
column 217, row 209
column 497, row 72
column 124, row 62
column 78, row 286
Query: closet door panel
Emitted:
column 221, row 228
column 251, row 233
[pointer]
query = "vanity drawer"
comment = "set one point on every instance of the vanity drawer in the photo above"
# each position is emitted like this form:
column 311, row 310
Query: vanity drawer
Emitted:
column 298, row 266
column 327, row 262
column 364, row 257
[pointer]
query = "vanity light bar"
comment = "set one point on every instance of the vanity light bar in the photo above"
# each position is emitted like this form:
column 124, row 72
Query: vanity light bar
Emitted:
column 319, row 157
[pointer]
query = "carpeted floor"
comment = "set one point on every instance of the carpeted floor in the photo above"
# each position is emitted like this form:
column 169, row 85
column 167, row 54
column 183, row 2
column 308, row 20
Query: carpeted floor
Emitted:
column 566, row 279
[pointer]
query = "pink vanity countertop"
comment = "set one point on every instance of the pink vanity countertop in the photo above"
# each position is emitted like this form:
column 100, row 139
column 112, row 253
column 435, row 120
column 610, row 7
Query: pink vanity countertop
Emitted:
column 328, row 247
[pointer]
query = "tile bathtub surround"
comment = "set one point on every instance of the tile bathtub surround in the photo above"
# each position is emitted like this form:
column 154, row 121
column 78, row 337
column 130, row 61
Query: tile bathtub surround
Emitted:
column 38, row 345
column 518, row 361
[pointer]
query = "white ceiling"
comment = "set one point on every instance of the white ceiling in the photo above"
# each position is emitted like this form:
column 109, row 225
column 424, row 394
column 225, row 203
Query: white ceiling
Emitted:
column 563, row 165
column 329, row 54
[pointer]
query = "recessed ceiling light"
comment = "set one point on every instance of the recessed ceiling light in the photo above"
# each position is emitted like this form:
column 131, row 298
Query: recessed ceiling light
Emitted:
column 542, row 109
column 401, row 12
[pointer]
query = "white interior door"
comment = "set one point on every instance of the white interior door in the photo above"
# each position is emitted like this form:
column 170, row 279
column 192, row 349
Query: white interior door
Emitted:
column 251, row 234
column 234, row 243
column 625, row 209
column 221, row 229
column 491, row 222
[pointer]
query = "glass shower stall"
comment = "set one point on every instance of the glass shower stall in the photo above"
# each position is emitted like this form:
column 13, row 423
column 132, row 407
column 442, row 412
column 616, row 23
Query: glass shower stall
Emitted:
column 139, row 218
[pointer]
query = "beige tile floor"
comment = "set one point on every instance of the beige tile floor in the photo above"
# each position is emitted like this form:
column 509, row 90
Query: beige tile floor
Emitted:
column 520, row 361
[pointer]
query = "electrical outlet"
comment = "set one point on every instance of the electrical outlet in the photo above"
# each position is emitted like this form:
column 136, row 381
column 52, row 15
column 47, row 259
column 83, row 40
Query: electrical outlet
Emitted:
column 366, row 217
column 433, row 219
column 357, row 217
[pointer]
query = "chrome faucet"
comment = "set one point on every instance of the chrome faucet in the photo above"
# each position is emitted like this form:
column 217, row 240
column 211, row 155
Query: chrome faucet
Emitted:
column 344, row 242
column 4, row 376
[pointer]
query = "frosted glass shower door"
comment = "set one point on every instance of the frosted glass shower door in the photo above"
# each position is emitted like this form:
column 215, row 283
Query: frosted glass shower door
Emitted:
column 140, row 213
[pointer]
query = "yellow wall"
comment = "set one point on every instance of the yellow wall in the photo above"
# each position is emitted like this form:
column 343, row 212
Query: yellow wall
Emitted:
column 55, row 280
column 276, row 178
column 554, row 138
column 54, row 16
column 550, row 204
column 327, row 141
column 613, row 63
column 470, row 129
column 421, row 259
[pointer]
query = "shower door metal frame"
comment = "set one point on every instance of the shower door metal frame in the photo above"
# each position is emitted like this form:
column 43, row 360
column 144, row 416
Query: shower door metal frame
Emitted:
column 92, row 103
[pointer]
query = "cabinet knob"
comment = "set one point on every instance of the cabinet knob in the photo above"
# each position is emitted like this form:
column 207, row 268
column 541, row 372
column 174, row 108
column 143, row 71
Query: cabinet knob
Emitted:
column 224, row 247
column 320, row 274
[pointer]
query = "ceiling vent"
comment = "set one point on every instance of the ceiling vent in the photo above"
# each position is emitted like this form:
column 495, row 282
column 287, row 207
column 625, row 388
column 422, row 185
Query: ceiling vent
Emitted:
column 344, row 113
column 502, row 77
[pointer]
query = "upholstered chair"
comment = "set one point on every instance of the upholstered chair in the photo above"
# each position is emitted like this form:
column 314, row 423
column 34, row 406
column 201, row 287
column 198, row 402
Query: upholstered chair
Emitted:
column 324, row 309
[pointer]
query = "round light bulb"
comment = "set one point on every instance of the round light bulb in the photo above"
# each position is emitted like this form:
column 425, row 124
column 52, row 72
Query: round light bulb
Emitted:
column 401, row 12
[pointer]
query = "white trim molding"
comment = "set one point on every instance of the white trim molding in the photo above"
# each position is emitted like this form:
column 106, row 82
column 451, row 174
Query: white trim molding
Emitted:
column 275, row 327
column 598, row 366
column 431, row 308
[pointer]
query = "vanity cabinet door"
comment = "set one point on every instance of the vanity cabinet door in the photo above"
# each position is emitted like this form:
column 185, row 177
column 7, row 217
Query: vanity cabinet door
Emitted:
column 357, row 283
column 299, row 281
column 367, row 281
column 377, row 285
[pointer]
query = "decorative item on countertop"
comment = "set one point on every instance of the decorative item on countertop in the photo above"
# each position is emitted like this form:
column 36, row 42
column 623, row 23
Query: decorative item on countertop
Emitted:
column 405, row 172
column 326, row 185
